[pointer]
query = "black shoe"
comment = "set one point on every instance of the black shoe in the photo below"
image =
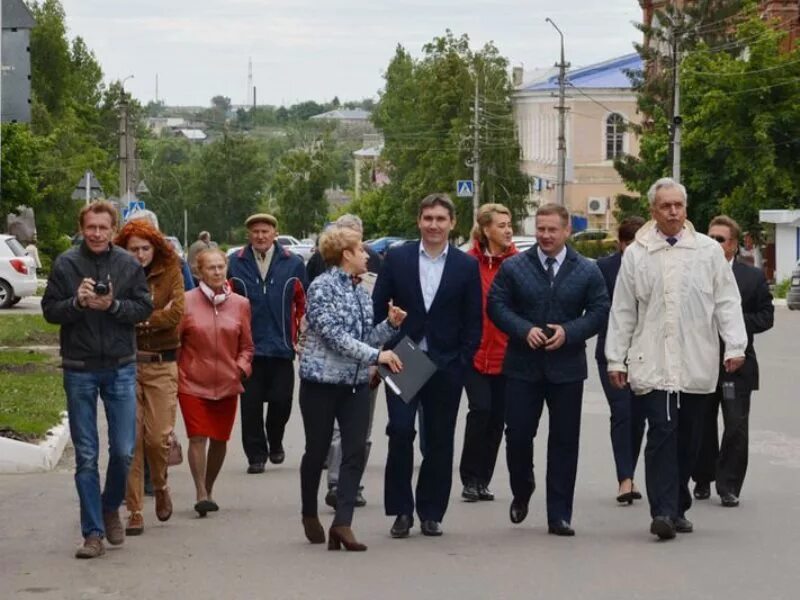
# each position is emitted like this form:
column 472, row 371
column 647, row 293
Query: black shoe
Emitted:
column 276, row 457
column 205, row 506
column 626, row 498
column 729, row 500
column 254, row 468
column 431, row 528
column 702, row 490
column 683, row 525
column 402, row 526
column 561, row 528
column 518, row 511
column 663, row 528
column 470, row 493
column 330, row 497
column 485, row 494
column 360, row 500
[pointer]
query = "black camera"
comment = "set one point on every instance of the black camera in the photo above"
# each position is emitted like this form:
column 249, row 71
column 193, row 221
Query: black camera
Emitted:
column 102, row 288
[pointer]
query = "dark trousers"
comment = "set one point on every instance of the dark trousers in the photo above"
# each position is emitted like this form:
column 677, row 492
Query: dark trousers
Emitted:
column 524, row 403
column 440, row 398
column 627, row 425
column 726, row 462
column 272, row 382
column 484, row 430
column 673, row 443
column 320, row 404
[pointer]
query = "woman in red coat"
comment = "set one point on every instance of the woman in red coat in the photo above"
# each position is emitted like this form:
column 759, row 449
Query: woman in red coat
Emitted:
column 485, row 383
column 215, row 356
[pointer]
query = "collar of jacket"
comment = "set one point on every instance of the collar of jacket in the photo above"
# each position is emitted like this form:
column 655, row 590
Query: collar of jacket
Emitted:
column 85, row 250
column 280, row 252
column 478, row 252
column 649, row 237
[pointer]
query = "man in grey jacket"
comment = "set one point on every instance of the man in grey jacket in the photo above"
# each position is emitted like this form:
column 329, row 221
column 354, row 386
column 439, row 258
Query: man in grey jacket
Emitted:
column 97, row 292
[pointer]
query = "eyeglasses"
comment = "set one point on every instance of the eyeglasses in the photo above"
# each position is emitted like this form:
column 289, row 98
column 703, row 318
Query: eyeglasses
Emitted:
column 719, row 238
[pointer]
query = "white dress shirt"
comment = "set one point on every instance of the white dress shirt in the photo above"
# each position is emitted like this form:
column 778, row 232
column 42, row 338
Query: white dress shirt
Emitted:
column 560, row 258
column 430, row 276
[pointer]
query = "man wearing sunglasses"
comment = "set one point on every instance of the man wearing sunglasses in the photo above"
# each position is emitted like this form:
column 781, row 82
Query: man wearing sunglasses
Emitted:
column 726, row 462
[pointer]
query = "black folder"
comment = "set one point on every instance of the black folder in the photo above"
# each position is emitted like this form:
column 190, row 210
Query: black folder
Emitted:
column 417, row 369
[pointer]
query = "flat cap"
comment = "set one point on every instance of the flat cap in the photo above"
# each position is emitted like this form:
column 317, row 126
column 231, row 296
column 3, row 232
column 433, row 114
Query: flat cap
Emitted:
column 261, row 218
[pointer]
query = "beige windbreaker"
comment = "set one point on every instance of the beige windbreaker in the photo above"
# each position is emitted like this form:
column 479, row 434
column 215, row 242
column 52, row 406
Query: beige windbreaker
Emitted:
column 671, row 306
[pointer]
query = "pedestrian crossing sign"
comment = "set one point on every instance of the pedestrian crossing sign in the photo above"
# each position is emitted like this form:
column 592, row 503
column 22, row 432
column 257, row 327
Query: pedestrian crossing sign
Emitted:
column 465, row 188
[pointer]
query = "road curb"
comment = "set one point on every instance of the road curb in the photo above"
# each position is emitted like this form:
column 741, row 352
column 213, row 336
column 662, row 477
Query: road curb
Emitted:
column 22, row 457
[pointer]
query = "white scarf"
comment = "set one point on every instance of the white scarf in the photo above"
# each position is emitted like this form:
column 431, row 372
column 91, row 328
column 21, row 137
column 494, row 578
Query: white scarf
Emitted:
column 214, row 298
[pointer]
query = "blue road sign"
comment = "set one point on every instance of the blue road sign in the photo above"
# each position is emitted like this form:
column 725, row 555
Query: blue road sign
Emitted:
column 465, row 188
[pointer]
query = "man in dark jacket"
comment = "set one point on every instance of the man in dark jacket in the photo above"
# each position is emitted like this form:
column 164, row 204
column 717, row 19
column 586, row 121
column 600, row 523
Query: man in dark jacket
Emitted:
column 727, row 462
column 549, row 300
column 440, row 288
column 97, row 293
column 274, row 280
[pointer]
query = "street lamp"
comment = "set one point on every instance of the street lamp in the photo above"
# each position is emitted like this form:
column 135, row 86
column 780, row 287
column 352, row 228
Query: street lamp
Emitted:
column 562, row 114
column 122, row 85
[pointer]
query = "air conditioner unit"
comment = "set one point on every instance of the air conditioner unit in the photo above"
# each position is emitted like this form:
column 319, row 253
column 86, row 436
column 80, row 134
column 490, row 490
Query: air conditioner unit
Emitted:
column 597, row 206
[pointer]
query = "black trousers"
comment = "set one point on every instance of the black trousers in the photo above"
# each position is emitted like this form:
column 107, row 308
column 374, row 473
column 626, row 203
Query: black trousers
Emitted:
column 627, row 424
column 320, row 404
column 726, row 462
column 272, row 382
column 484, row 430
column 524, row 404
column 673, row 443
column 440, row 398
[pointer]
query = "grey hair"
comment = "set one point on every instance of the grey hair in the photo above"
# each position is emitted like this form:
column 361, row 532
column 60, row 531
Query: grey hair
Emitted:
column 145, row 215
column 665, row 183
column 351, row 222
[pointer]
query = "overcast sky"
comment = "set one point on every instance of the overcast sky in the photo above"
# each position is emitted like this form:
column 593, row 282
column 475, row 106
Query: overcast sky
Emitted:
column 315, row 50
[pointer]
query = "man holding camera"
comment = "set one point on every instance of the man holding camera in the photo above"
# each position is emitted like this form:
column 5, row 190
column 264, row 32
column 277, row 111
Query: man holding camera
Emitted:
column 97, row 292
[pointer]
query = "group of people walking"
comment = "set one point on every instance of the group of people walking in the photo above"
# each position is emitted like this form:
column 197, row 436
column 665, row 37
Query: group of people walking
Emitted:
column 510, row 328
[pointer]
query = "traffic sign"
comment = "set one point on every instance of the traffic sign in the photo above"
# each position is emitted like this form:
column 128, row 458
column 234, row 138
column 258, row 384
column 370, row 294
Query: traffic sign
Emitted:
column 465, row 188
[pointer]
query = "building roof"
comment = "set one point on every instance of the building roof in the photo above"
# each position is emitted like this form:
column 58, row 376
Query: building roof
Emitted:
column 344, row 114
column 193, row 134
column 16, row 15
column 609, row 74
column 371, row 152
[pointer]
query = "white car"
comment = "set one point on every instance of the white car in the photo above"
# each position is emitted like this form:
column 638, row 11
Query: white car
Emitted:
column 17, row 272
column 291, row 243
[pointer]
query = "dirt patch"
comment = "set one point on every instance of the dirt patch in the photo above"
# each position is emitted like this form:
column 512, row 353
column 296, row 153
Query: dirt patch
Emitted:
column 9, row 433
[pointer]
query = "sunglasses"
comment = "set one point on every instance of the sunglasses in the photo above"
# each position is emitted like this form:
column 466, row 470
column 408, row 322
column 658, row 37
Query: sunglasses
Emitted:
column 719, row 238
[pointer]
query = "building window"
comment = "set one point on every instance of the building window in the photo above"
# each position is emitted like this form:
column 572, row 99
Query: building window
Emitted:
column 615, row 130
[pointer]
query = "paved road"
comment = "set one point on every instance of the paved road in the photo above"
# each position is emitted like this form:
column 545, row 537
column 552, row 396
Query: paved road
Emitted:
column 32, row 305
column 254, row 547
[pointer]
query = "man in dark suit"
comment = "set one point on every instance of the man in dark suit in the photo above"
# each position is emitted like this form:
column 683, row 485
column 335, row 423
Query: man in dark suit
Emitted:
column 627, row 417
column 727, row 462
column 439, row 287
column 549, row 300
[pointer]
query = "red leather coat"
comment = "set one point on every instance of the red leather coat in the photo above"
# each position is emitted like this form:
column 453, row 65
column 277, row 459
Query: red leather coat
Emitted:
column 216, row 346
column 489, row 357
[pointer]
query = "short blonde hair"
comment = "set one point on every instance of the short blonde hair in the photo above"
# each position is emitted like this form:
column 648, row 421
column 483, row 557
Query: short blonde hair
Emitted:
column 334, row 241
column 485, row 215
column 206, row 252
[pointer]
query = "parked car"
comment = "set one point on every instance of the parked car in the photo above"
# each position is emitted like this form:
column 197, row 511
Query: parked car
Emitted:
column 382, row 244
column 596, row 242
column 176, row 244
column 17, row 272
column 793, row 296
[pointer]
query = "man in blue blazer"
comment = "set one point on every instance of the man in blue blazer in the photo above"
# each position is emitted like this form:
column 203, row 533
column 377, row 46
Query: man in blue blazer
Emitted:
column 439, row 287
column 549, row 300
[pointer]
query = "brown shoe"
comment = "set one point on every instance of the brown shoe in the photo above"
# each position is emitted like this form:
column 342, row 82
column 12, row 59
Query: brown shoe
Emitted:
column 115, row 533
column 163, row 504
column 135, row 524
column 314, row 530
column 92, row 547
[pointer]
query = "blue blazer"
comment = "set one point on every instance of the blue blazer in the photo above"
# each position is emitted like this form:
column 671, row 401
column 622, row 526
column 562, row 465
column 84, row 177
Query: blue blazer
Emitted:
column 609, row 267
column 521, row 297
column 453, row 325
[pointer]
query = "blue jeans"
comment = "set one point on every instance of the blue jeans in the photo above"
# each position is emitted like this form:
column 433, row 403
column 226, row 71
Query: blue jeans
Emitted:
column 117, row 389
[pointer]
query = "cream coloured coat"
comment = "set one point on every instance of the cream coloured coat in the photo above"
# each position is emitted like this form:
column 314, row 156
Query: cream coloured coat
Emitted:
column 671, row 306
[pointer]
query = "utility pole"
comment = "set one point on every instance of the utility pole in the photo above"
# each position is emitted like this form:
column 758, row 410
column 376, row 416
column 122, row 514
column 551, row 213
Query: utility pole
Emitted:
column 677, row 120
column 124, row 186
column 562, row 109
column 476, row 152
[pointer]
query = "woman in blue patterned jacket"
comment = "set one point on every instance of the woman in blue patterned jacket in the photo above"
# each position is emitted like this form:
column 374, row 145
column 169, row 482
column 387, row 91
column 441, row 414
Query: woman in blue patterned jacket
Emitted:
column 337, row 348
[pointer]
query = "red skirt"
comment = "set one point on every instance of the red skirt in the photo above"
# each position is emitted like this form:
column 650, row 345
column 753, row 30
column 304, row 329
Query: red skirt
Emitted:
column 208, row 418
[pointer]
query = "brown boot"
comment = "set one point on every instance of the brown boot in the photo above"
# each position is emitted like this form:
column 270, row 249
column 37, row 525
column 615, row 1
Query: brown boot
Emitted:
column 314, row 531
column 115, row 533
column 135, row 524
column 163, row 504
column 92, row 547
column 343, row 535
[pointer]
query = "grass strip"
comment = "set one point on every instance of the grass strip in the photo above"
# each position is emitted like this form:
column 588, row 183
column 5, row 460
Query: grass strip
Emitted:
column 31, row 394
column 27, row 330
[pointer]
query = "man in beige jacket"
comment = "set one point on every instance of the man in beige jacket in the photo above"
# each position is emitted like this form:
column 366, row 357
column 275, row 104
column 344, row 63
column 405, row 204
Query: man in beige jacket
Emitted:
column 674, row 299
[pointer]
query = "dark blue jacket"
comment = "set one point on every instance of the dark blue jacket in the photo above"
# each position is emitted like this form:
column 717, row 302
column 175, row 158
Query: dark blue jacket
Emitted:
column 609, row 267
column 277, row 303
column 453, row 325
column 521, row 297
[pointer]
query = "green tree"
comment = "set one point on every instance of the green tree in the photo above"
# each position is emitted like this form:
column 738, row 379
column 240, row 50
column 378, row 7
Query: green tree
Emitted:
column 426, row 115
column 299, row 187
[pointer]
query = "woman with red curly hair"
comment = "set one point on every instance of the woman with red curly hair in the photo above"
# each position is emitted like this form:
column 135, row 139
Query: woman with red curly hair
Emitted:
column 157, row 343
